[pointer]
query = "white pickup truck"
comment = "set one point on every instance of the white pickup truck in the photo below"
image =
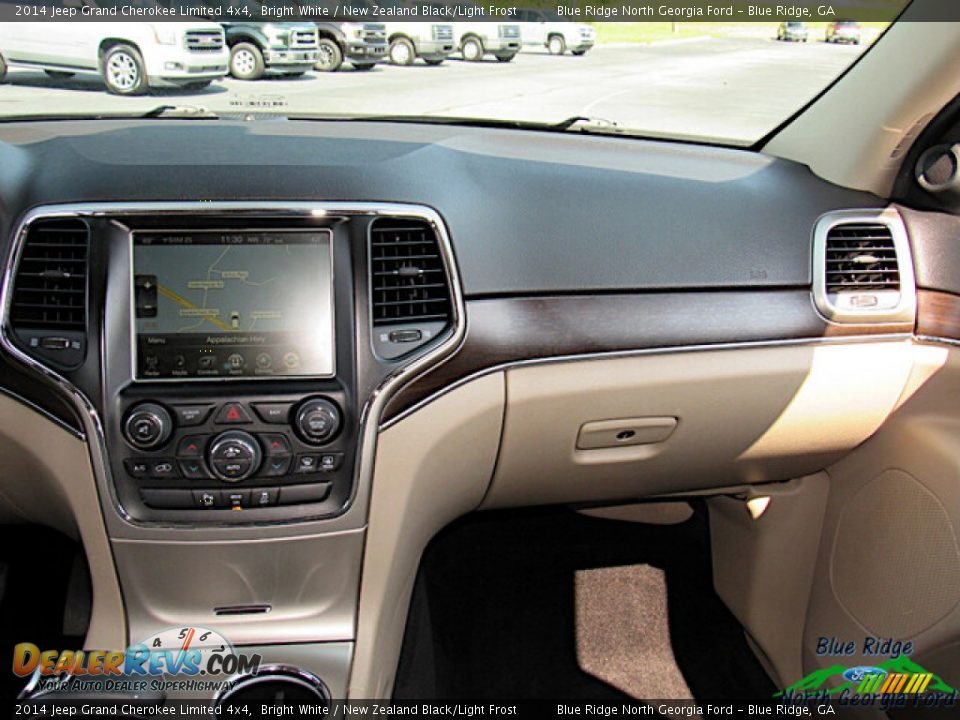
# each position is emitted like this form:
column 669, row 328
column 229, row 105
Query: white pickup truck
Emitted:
column 131, row 57
column 545, row 28
column 411, row 40
column 476, row 39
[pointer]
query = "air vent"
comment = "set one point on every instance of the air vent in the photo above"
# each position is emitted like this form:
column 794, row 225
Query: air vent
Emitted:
column 49, row 308
column 410, row 293
column 863, row 271
column 861, row 257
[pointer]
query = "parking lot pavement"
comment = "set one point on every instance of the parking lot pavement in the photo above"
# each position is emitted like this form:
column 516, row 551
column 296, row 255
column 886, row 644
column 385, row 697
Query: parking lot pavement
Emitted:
column 733, row 89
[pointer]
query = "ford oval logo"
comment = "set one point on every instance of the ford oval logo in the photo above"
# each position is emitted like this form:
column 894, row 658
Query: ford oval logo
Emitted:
column 856, row 674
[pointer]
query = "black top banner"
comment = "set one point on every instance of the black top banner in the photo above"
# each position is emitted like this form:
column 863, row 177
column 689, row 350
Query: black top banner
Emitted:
column 259, row 707
column 482, row 11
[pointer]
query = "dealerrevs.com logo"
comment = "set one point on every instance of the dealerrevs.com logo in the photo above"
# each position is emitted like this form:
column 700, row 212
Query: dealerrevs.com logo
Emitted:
column 189, row 652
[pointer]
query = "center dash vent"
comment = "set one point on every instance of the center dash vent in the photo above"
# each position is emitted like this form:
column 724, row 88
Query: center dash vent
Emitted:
column 863, row 271
column 49, row 308
column 410, row 292
column 861, row 257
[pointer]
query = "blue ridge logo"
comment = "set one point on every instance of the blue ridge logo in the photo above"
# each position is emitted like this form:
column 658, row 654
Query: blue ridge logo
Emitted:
column 856, row 674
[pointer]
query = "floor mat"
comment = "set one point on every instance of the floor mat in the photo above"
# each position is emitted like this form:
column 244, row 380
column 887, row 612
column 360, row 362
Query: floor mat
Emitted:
column 38, row 564
column 623, row 633
column 494, row 610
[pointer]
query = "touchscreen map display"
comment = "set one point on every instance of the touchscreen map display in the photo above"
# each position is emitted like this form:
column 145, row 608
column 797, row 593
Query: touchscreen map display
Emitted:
column 219, row 304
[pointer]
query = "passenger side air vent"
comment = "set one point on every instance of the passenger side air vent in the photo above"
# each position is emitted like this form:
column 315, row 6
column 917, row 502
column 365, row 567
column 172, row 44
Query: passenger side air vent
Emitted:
column 410, row 291
column 861, row 257
column 863, row 271
column 48, row 313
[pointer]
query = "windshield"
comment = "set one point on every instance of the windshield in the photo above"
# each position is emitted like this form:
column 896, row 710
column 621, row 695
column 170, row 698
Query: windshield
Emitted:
column 686, row 77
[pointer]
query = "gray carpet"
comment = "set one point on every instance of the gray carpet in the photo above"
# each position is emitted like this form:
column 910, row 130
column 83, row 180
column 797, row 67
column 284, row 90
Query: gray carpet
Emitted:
column 623, row 636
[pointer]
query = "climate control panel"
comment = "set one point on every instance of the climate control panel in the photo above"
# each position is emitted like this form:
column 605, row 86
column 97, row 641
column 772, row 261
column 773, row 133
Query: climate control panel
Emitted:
column 244, row 457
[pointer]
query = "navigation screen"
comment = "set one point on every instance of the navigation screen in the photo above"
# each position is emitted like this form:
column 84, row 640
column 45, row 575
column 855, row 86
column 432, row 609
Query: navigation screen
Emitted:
column 211, row 304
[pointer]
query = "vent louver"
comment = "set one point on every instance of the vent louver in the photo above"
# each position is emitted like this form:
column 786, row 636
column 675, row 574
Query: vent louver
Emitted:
column 48, row 310
column 408, row 277
column 863, row 269
column 50, row 289
column 861, row 256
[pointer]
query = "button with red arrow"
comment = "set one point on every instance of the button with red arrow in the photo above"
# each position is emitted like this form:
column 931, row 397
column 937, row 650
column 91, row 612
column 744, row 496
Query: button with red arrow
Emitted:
column 232, row 414
column 275, row 444
column 191, row 446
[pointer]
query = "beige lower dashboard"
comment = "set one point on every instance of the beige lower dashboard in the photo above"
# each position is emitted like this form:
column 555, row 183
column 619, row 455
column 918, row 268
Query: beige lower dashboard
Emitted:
column 510, row 438
column 537, row 433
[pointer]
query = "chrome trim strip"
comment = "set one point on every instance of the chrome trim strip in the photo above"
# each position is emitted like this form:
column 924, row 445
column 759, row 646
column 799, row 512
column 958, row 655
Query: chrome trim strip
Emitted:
column 614, row 354
column 372, row 408
column 937, row 340
column 78, row 434
column 905, row 311
column 289, row 673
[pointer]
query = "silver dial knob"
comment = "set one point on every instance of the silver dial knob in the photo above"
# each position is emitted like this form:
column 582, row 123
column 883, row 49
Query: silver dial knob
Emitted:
column 234, row 456
column 317, row 421
column 147, row 426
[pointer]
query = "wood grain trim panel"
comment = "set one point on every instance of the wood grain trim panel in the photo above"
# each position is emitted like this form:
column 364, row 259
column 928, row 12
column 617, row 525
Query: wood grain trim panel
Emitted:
column 938, row 314
column 508, row 330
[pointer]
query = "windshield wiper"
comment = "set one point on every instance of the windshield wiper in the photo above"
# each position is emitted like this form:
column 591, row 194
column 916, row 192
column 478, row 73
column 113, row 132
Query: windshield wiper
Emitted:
column 180, row 112
column 175, row 112
column 424, row 120
column 576, row 123
column 582, row 123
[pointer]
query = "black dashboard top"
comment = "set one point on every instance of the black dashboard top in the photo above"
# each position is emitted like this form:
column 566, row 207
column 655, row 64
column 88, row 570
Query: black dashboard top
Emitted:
column 529, row 213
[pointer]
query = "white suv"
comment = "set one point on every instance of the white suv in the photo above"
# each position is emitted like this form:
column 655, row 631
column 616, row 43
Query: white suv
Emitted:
column 130, row 56
column 545, row 28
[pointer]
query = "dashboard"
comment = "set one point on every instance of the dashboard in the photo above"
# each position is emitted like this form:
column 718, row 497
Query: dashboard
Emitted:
column 238, row 319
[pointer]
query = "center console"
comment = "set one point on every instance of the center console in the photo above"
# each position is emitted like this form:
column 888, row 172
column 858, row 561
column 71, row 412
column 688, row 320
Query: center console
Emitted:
column 228, row 364
column 236, row 409
column 241, row 347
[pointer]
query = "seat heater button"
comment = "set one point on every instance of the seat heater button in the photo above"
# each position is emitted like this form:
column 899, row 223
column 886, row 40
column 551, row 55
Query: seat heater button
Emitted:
column 264, row 497
column 330, row 461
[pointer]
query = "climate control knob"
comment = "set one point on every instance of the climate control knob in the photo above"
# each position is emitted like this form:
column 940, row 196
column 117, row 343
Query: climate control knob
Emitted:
column 147, row 426
column 234, row 455
column 317, row 421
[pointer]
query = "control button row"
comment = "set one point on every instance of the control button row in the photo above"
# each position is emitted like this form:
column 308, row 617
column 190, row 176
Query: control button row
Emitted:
column 271, row 413
column 194, row 469
column 234, row 499
column 151, row 468
column 315, row 463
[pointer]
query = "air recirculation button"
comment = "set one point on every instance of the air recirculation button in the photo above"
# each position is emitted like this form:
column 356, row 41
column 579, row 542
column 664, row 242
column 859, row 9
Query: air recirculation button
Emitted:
column 234, row 456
